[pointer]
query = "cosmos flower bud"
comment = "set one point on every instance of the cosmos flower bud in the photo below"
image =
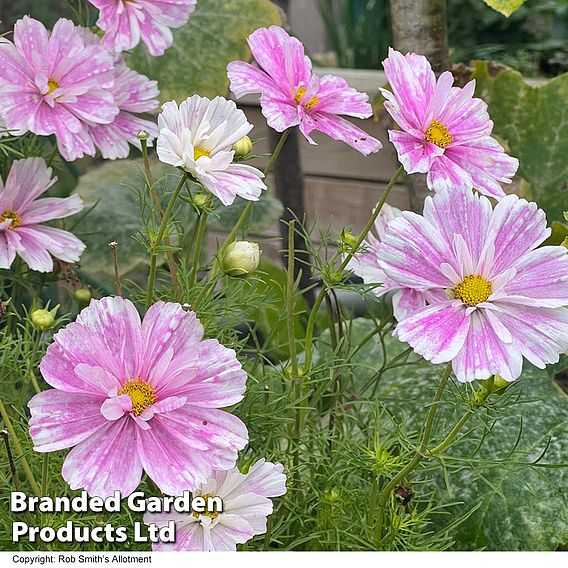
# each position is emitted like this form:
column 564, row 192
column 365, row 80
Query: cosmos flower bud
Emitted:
column 348, row 238
column 200, row 200
column 241, row 258
column 43, row 320
column 243, row 147
column 143, row 135
column 82, row 296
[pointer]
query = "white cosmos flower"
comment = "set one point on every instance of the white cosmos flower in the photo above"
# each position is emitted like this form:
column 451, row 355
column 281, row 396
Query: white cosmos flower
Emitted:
column 246, row 505
column 198, row 137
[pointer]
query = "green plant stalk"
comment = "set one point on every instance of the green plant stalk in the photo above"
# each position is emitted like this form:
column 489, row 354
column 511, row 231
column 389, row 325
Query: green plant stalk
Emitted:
column 385, row 494
column 201, row 228
column 452, row 435
column 231, row 237
column 161, row 233
column 155, row 198
column 290, row 302
column 29, row 376
column 314, row 311
column 19, row 452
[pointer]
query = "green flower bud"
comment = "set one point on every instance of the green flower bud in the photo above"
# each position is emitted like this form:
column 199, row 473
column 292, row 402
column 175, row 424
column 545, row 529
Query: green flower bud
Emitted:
column 43, row 320
column 143, row 135
column 564, row 243
column 243, row 147
column 82, row 296
column 200, row 200
column 348, row 238
column 241, row 258
column 332, row 494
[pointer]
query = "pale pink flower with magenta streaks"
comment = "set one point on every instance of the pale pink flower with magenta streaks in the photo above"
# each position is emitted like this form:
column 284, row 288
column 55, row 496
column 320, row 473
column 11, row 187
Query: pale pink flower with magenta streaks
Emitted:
column 198, row 136
column 292, row 96
column 246, row 505
column 126, row 22
column 22, row 215
column 133, row 93
column 55, row 84
column 133, row 396
column 505, row 298
column 365, row 264
column 446, row 133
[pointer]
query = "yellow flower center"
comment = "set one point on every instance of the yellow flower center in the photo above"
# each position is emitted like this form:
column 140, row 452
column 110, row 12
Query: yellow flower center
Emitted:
column 16, row 219
column 141, row 393
column 212, row 514
column 438, row 134
column 298, row 95
column 52, row 86
column 198, row 152
column 473, row 290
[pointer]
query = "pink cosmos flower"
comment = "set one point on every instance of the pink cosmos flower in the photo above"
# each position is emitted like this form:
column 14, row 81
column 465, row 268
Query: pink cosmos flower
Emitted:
column 132, row 396
column 366, row 265
column 292, row 96
column 133, row 93
column 55, row 84
column 445, row 131
column 246, row 505
column 22, row 215
column 198, row 136
column 126, row 22
column 505, row 297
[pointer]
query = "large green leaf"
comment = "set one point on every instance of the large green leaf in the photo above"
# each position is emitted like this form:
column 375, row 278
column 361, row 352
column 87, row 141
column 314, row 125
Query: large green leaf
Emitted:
column 522, row 507
column 505, row 7
column 534, row 123
column 215, row 35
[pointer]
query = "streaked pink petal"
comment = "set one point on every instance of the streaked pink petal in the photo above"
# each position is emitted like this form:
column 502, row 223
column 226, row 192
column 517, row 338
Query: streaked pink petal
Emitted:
column 106, row 461
column 516, row 228
column 436, row 332
column 61, row 420
column 484, row 353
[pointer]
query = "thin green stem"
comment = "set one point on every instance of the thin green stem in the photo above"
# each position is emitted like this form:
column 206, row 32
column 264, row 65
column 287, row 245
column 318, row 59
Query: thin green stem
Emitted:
column 420, row 453
column 314, row 311
column 29, row 376
column 156, row 199
column 231, row 237
column 452, row 435
column 290, row 302
column 159, row 238
column 201, row 228
column 19, row 452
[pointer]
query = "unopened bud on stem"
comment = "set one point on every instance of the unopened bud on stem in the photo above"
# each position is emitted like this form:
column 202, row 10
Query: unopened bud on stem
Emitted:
column 241, row 258
column 243, row 147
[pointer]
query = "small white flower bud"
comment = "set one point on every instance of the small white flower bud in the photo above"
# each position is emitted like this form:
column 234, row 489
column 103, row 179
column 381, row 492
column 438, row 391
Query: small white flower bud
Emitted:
column 241, row 258
column 243, row 147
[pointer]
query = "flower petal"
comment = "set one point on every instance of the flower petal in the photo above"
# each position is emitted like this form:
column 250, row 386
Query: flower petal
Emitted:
column 484, row 353
column 436, row 332
column 106, row 461
column 61, row 420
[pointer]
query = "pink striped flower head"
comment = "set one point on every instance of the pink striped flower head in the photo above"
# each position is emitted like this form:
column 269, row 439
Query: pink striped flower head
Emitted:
column 22, row 216
column 131, row 395
column 365, row 264
column 198, row 136
column 55, row 84
column 291, row 95
column 505, row 298
column 126, row 22
column 246, row 505
column 133, row 94
column 446, row 132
